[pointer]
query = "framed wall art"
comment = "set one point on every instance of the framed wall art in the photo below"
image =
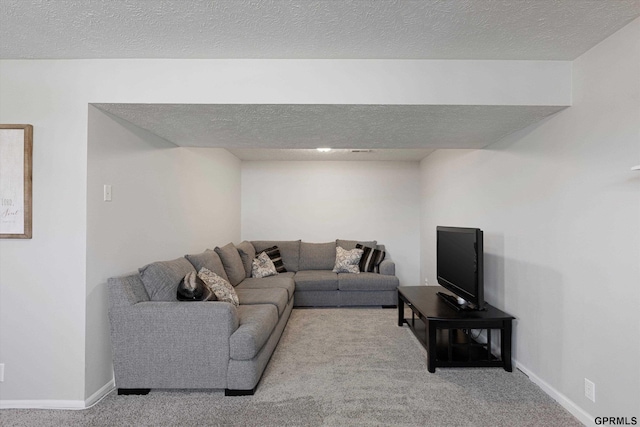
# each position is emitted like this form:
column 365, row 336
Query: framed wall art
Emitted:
column 16, row 151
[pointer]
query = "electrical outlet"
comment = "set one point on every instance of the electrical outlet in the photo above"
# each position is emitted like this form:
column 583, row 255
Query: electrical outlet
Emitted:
column 1, row 372
column 590, row 390
column 426, row 282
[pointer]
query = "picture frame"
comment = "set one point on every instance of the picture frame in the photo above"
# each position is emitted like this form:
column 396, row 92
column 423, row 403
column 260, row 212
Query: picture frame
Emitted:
column 16, row 162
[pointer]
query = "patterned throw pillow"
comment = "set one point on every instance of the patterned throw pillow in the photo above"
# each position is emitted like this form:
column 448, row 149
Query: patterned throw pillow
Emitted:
column 274, row 253
column 192, row 288
column 371, row 259
column 347, row 261
column 262, row 266
column 220, row 287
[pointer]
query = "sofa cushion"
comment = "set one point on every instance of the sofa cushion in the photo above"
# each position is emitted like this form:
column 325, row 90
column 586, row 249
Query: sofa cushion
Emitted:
column 256, row 322
column 232, row 263
column 351, row 244
column 262, row 266
column 247, row 254
column 317, row 256
column 282, row 280
column 316, row 280
column 366, row 282
column 161, row 278
column 275, row 296
column 371, row 259
column 274, row 255
column 289, row 249
column 221, row 288
column 347, row 261
column 210, row 260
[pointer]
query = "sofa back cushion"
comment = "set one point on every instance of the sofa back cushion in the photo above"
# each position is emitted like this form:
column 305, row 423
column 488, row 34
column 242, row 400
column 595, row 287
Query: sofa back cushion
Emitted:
column 232, row 263
column 289, row 250
column 317, row 256
column 161, row 279
column 351, row 244
column 210, row 260
column 247, row 254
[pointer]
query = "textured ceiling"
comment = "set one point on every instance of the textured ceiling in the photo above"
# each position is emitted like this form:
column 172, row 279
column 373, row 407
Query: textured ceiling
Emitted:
column 347, row 29
column 291, row 29
column 249, row 131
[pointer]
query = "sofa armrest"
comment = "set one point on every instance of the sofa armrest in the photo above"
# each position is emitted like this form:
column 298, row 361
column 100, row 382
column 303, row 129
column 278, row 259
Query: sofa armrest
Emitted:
column 388, row 267
column 172, row 344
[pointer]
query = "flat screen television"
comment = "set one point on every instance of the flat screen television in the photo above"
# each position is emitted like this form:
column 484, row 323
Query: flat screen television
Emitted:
column 460, row 263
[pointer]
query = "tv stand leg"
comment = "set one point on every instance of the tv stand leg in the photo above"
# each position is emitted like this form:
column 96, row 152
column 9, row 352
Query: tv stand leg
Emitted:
column 505, row 346
column 430, row 339
column 400, row 310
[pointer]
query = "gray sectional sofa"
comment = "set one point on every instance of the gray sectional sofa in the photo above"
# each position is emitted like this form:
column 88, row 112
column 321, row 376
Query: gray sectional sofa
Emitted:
column 159, row 342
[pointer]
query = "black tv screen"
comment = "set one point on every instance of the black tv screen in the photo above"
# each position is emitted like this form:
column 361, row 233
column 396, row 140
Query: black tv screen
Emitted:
column 460, row 262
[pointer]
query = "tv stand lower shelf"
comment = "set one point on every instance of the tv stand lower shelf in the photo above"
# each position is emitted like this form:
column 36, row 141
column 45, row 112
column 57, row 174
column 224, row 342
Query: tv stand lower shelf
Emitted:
column 447, row 333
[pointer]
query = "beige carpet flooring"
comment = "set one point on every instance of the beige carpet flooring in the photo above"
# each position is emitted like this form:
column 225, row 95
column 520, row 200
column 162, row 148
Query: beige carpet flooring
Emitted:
column 334, row 367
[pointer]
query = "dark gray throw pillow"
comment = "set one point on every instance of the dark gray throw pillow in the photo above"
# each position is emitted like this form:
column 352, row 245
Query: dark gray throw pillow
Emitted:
column 232, row 262
column 247, row 254
column 371, row 259
column 192, row 288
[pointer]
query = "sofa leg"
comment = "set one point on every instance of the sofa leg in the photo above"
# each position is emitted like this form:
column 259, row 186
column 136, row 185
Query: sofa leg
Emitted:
column 389, row 306
column 138, row 391
column 228, row 392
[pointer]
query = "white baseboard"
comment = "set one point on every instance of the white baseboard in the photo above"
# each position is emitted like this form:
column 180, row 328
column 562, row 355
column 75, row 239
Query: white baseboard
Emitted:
column 583, row 416
column 42, row 404
column 60, row 404
column 98, row 395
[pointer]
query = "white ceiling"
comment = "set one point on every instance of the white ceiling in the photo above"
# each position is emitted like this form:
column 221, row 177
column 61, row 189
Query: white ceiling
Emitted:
column 290, row 29
column 297, row 29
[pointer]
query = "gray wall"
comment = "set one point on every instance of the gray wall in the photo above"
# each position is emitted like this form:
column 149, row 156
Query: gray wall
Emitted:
column 43, row 310
column 323, row 201
column 167, row 201
column 560, row 210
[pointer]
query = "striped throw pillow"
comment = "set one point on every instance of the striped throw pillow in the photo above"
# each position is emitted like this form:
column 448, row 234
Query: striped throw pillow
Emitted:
column 274, row 253
column 371, row 259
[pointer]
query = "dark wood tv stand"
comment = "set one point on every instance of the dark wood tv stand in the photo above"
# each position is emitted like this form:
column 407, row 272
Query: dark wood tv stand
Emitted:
column 446, row 332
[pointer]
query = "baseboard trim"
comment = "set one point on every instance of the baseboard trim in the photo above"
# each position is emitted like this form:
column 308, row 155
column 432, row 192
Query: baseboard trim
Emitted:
column 42, row 404
column 60, row 404
column 583, row 416
column 98, row 395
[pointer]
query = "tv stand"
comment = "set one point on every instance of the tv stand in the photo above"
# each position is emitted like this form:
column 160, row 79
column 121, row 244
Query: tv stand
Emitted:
column 446, row 332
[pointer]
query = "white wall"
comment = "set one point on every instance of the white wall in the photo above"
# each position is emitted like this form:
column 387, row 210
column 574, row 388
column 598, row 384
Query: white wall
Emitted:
column 324, row 201
column 44, row 293
column 167, row 201
column 560, row 211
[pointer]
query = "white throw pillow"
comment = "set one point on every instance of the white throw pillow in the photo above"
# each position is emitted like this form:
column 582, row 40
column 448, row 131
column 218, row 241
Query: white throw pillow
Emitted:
column 220, row 287
column 262, row 266
column 347, row 261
